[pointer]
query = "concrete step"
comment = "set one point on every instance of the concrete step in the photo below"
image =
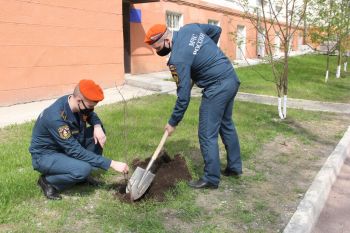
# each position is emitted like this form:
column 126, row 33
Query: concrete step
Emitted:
column 159, row 82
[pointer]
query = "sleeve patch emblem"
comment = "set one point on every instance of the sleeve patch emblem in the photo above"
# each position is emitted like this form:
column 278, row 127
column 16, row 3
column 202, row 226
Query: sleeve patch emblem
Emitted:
column 174, row 74
column 64, row 132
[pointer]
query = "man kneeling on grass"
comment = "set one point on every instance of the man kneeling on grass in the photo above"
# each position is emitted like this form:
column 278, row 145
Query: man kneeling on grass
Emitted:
column 64, row 150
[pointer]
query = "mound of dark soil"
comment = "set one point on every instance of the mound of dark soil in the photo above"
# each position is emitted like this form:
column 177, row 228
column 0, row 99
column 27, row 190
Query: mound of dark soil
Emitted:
column 167, row 173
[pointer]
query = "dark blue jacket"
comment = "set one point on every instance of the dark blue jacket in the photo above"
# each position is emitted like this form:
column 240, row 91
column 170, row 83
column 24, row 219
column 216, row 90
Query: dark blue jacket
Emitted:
column 59, row 130
column 196, row 57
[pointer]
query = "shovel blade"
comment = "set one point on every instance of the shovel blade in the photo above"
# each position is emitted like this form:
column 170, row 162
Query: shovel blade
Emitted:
column 139, row 183
column 135, row 178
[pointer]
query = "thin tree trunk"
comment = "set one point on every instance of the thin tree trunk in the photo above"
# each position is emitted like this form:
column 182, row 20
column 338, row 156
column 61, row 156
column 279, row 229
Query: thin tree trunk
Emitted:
column 339, row 58
column 305, row 23
column 280, row 112
column 327, row 66
column 347, row 36
column 328, row 38
column 341, row 33
column 285, row 83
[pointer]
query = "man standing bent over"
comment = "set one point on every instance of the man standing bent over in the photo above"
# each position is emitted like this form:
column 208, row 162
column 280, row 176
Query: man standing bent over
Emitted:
column 196, row 58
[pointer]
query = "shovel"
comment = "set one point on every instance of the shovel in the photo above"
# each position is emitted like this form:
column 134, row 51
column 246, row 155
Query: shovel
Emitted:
column 142, row 178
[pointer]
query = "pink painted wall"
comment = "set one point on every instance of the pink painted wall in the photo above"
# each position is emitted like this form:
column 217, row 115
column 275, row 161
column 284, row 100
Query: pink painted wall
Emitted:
column 143, row 57
column 47, row 46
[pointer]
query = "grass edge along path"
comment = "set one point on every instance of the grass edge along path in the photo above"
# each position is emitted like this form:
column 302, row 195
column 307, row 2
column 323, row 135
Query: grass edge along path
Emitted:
column 305, row 80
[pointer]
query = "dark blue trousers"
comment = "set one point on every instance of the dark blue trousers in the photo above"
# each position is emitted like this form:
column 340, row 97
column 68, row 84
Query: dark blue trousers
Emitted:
column 215, row 117
column 63, row 171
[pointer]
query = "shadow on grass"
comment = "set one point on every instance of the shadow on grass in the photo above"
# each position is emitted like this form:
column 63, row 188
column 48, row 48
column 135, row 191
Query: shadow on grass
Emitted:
column 307, row 134
column 80, row 190
column 85, row 189
column 192, row 155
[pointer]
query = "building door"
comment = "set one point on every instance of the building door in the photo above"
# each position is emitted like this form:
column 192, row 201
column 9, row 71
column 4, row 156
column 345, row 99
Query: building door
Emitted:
column 126, row 36
column 241, row 42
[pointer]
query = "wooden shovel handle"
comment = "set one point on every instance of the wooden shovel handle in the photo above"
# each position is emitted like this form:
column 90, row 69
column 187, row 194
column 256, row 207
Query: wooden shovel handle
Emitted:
column 160, row 146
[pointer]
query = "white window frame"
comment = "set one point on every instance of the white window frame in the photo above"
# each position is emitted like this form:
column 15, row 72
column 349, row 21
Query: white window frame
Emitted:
column 241, row 42
column 261, row 46
column 278, row 8
column 277, row 45
column 173, row 27
column 214, row 22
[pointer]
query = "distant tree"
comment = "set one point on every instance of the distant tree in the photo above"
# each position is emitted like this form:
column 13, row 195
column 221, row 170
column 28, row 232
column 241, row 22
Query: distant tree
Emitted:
column 323, row 31
column 342, row 26
column 347, row 52
column 277, row 20
column 330, row 23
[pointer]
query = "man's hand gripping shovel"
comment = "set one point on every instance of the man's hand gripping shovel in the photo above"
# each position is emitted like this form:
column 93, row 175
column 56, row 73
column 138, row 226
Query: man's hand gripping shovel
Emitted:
column 141, row 179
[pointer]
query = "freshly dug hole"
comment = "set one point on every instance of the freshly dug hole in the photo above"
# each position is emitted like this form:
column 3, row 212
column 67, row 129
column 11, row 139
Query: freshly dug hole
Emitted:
column 167, row 173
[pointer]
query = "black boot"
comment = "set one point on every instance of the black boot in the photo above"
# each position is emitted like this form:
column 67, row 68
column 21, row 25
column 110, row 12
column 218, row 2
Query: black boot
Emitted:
column 199, row 184
column 49, row 191
column 228, row 172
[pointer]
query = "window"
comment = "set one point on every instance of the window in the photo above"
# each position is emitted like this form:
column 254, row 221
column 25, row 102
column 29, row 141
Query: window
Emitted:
column 261, row 44
column 259, row 3
column 216, row 23
column 278, row 8
column 213, row 22
column 290, row 45
column 277, row 44
column 241, row 42
column 173, row 21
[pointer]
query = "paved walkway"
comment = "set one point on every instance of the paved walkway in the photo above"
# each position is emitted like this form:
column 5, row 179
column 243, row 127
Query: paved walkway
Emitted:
column 335, row 216
column 161, row 82
column 21, row 113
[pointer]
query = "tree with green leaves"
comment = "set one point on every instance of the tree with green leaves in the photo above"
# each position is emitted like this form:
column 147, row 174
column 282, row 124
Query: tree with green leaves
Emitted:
column 330, row 26
column 342, row 30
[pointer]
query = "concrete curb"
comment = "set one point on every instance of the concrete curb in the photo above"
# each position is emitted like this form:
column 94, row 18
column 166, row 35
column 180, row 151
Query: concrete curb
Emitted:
column 309, row 105
column 309, row 209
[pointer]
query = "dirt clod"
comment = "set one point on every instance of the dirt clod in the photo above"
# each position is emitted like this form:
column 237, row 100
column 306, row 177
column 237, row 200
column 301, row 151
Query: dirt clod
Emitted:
column 167, row 173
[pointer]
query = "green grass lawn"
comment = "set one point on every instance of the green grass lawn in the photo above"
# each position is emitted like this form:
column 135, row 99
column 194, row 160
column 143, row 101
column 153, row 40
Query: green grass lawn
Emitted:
column 306, row 80
column 23, row 208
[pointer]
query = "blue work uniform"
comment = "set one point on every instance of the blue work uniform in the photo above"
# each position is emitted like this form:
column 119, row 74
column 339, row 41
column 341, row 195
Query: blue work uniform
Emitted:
column 63, row 147
column 195, row 57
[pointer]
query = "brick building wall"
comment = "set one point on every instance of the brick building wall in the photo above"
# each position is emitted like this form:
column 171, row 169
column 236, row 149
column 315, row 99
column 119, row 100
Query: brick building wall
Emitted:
column 47, row 46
